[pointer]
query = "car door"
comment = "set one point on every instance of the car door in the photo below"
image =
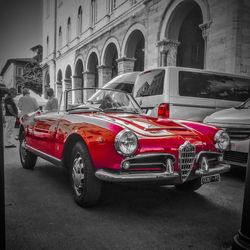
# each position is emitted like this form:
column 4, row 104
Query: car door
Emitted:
column 44, row 132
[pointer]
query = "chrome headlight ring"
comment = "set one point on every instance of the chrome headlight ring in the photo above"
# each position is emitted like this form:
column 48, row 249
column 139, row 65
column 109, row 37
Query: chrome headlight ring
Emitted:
column 126, row 142
column 222, row 140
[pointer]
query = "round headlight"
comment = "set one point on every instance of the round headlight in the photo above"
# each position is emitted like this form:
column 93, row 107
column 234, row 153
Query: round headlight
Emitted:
column 126, row 142
column 222, row 140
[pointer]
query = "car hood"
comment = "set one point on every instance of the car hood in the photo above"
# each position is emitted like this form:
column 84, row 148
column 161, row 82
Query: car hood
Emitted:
column 148, row 126
column 229, row 116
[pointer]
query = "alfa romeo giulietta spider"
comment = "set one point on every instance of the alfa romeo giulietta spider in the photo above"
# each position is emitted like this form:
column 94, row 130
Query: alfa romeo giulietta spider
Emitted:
column 102, row 135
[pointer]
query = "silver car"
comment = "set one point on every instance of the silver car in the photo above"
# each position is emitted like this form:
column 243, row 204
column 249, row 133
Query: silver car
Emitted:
column 236, row 121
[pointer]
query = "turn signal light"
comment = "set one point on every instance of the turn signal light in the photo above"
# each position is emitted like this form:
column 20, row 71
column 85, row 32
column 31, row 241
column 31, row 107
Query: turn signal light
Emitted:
column 163, row 110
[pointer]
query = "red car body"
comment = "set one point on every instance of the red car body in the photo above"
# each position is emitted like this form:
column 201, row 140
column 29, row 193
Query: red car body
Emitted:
column 168, row 151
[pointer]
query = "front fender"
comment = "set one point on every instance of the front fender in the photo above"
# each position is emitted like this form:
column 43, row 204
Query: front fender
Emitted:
column 201, row 128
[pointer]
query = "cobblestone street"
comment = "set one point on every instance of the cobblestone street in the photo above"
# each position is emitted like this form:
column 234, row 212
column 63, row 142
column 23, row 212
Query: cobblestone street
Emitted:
column 41, row 213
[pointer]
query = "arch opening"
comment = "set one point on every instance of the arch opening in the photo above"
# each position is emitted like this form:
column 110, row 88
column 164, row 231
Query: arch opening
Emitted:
column 190, row 52
column 182, row 43
column 59, row 83
column 110, row 59
column 92, row 68
column 68, row 82
column 135, row 48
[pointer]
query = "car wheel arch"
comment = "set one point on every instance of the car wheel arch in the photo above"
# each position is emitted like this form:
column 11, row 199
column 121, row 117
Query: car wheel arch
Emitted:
column 70, row 142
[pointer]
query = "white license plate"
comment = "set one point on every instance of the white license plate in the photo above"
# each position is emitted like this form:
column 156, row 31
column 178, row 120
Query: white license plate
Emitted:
column 210, row 178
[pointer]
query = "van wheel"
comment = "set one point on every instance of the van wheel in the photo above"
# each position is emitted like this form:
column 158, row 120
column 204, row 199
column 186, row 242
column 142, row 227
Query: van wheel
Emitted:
column 28, row 159
column 85, row 185
column 189, row 186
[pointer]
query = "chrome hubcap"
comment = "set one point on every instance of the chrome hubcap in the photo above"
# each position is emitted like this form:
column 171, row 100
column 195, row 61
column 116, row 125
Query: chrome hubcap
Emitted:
column 78, row 174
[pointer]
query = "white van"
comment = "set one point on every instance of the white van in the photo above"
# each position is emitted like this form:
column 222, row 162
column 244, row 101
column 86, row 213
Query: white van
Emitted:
column 188, row 93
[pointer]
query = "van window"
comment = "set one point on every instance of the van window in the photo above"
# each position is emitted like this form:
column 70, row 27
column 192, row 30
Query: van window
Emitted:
column 214, row 86
column 150, row 83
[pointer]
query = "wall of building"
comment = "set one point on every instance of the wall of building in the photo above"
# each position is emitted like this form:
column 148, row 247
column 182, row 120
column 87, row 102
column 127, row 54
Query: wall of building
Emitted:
column 9, row 76
column 225, row 30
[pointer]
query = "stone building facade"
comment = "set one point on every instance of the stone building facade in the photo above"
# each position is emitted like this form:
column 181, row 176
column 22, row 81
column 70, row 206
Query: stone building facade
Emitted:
column 87, row 42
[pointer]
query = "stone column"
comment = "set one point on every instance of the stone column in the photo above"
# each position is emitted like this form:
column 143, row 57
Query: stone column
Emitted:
column 125, row 65
column 77, row 94
column 68, row 86
column 205, row 27
column 168, row 52
column 105, row 74
column 89, row 80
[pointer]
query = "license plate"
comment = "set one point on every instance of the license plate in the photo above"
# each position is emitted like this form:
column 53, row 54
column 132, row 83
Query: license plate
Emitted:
column 210, row 178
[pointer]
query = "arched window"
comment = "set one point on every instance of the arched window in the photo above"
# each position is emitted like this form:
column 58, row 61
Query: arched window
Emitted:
column 79, row 21
column 93, row 12
column 68, row 38
column 112, row 5
column 60, row 38
column 47, row 46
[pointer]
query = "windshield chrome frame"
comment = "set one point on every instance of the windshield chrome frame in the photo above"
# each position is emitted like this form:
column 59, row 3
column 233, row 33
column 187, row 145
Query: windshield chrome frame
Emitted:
column 66, row 93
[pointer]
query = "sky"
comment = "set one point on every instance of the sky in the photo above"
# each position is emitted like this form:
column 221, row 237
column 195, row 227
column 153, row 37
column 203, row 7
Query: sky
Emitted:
column 20, row 28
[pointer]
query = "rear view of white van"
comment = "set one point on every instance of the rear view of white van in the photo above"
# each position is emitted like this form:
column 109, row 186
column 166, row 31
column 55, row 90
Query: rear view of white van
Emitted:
column 187, row 93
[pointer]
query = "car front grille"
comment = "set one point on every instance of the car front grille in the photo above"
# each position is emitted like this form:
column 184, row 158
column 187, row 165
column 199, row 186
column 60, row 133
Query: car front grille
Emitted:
column 237, row 157
column 238, row 133
column 186, row 159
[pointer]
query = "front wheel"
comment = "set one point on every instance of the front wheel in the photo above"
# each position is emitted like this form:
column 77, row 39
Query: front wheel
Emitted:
column 189, row 186
column 28, row 159
column 85, row 185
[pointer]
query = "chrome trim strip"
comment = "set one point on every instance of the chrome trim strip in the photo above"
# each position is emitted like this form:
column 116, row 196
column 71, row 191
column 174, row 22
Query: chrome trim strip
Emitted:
column 145, row 164
column 45, row 156
column 206, row 153
column 219, row 169
column 147, row 155
column 105, row 175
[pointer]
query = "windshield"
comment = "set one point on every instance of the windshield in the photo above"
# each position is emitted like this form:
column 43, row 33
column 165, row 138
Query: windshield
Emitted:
column 104, row 100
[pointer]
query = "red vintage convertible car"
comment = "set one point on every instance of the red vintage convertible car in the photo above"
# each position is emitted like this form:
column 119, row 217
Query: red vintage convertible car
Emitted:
column 108, row 138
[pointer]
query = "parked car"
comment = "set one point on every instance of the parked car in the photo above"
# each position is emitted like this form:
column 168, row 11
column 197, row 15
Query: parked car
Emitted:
column 189, row 93
column 236, row 122
column 109, row 139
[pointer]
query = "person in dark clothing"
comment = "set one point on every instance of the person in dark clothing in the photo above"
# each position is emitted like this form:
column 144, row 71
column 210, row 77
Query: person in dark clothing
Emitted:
column 11, row 113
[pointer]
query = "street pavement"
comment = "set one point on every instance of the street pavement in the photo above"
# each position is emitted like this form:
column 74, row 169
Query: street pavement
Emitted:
column 41, row 214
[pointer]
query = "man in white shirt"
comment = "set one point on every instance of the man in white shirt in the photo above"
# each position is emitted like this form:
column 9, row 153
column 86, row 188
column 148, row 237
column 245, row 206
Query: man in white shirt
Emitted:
column 26, row 103
column 52, row 104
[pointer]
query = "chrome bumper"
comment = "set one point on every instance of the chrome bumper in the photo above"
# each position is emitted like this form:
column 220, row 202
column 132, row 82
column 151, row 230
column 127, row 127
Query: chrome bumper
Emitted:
column 171, row 179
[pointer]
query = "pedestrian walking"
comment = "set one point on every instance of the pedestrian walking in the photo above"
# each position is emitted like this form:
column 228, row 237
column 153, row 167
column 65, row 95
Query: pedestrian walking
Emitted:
column 26, row 103
column 52, row 104
column 11, row 113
